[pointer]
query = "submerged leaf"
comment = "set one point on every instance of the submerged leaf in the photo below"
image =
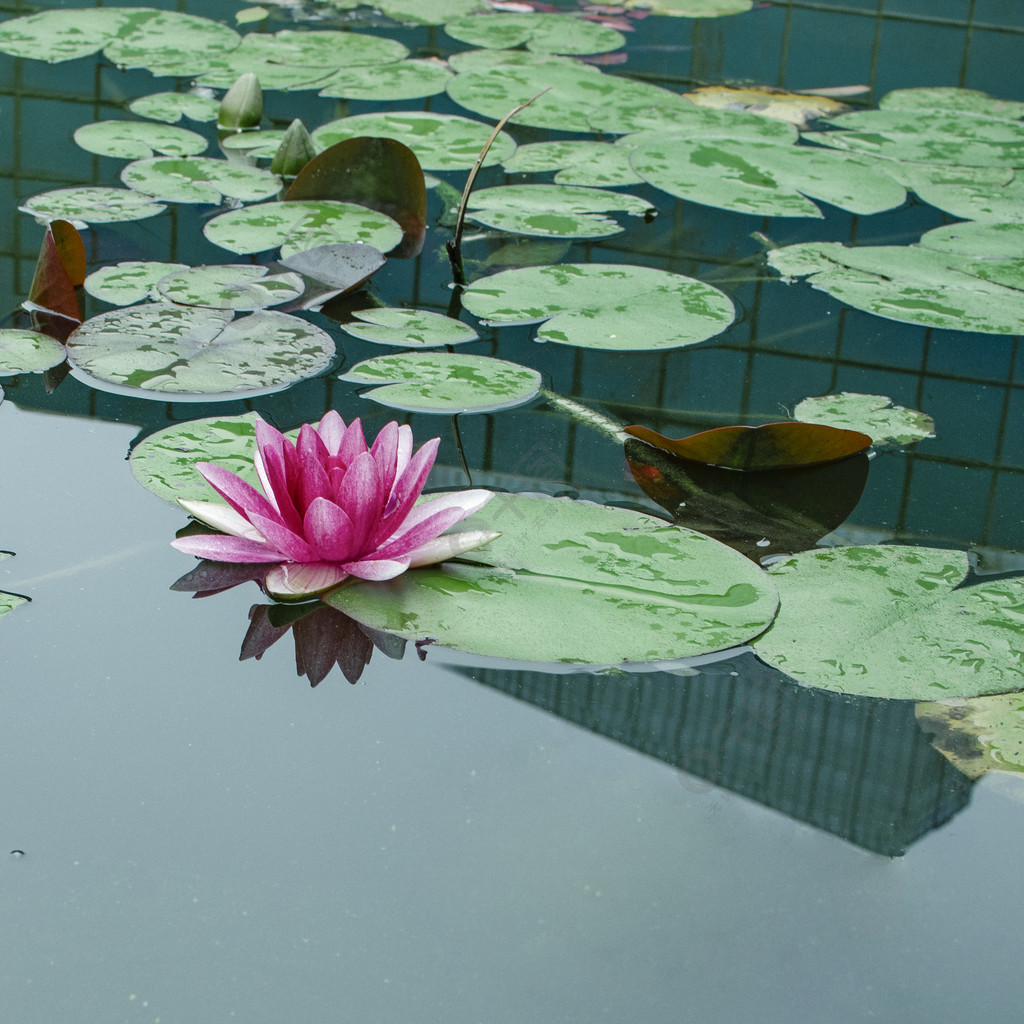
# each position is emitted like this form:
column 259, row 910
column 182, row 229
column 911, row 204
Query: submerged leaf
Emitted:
column 797, row 108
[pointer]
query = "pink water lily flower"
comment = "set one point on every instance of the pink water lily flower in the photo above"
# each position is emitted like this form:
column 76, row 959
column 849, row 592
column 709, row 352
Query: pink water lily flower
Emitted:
column 331, row 508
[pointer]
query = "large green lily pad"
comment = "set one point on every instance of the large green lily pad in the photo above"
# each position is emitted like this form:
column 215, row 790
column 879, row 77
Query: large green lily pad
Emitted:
column 571, row 581
column 911, row 284
column 970, row 101
column 61, row 35
column 298, row 225
column 985, row 240
column 889, row 621
column 603, row 305
column 92, row 204
column 398, row 80
column 27, row 351
column 157, row 349
column 441, row 142
column 976, row 193
column 419, row 12
column 134, row 140
column 199, row 180
column 408, row 328
column 888, row 425
column 576, row 161
column 545, row 33
column 170, row 43
column 445, row 382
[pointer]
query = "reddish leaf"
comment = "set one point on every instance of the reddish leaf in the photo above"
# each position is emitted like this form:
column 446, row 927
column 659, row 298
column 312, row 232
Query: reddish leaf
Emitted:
column 60, row 269
column 382, row 174
column 772, row 446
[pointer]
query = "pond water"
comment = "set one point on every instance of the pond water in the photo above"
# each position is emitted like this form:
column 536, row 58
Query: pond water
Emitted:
column 186, row 835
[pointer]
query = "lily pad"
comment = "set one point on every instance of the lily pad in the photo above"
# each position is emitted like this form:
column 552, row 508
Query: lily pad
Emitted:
column 603, row 305
column 978, row 735
column 92, row 204
column 545, row 33
column 576, row 161
column 408, row 328
column 230, row 286
column 762, row 178
column 441, row 142
column 170, row 107
column 8, row 602
column 199, row 180
column 399, row 80
column 161, row 350
column 133, row 140
column 970, row 101
column 129, row 282
column 27, row 352
column 61, row 35
column 972, row 239
column 909, row 631
column 299, row 225
column 445, row 382
column 422, row 12
column 170, row 43
column 911, row 284
column 975, row 193
column 685, row 8
column 553, row 211
column 888, row 425
column 575, row 582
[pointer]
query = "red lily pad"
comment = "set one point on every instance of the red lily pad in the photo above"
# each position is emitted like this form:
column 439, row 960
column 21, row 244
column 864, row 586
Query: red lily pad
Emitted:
column 785, row 445
column 60, row 269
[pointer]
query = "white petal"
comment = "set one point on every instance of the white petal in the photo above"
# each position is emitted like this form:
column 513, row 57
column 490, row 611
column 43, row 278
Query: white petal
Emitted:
column 222, row 517
column 469, row 501
column 449, row 545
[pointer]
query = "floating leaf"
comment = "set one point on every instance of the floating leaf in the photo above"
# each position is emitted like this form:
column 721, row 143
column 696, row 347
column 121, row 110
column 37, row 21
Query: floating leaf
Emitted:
column 888, row 425
column 230, row 286
column 199, row 180
column 330, row 270
column 577, row 162
column 63, row 35
column 399, row 80
column 911, row 284
column 170, row 43
column 440, row 141
column 408, row 328
column 603, row 305
column 258, row 144
column 969, row 101
column 977, row 193
column 544, row 33
column 133, row 140
column 575, row 582
column 171, row 106
column 158, row 349
column 60, row 269
column 8, row 602
column 422, row 12
column 92, row 205
column 553, row 211
column 909, row 631
column 770, row 446
column 762, row 178
column 300, row 225
column 128, row 282
column 986, row 240
column 692, row 122
column 685, row 8
column 27, row 352
column 445, row 382
column 977, row 735
column 797, row 108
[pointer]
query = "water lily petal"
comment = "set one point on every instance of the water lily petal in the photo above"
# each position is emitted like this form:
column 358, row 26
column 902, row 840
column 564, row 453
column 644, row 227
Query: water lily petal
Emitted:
column 221, row 517
column 465, row 502
column 291, row 581
column 313, row 483
column 329, row 531
column 361, row 496
column 406, row 490
column 292, row 545
column 450, row 545
column 331, row 430
column 222, row 548
column 310, row 445
column 377, row 570
column 277, row 485
column 385, row 451
column 242, row 497
column 353, row 443
column 419, row 534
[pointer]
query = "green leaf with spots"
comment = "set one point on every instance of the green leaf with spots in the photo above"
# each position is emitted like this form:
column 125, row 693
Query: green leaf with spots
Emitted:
column 544, row 33
column 230, row 286
column 134, row 140
column 91, row 204
column 199, row 180
column 408, row 328
column 909, row 631
column 158, row 350
column 978, row 734
column 968, row 101
column 61, row 35
column 170, row 107
column 571, row 581
column 603, row 305
column 976, row 193
column 129, row 282
column 553, row 211
column 983, row 240
column 888, row 425
column 445, row 382
column 27, row 351
column 685, row 8
column 170, row 43
column 298, row 225
column 399, row 80
column 577, row 162
column 441, row 142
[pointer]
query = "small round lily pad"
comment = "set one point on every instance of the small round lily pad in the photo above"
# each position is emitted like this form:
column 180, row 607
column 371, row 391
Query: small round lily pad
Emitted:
column 28, row 351
column 134, row 140
column 128, row 282
column 408, row 328
column 888, row 425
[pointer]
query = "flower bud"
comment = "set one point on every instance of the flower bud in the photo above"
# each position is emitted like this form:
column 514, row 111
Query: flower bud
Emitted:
column 242, row 106
column 295, row 151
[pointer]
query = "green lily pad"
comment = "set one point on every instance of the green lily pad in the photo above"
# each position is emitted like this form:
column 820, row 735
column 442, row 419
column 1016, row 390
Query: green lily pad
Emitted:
column 421, row 12
column 603, row 305
column 909, row 632
column 27, row 352
column 686, row 8
column 199, row 180
column 441, row 142
column 930, row 136
column 553, row 211
column 582, row 99
column 482, row 60
column 170, row 107
column 911, row 284
column 399, row 80
column 91, row 204
column 298, row 225
column 61, row 35
column 888, row 425
column 170, row 43
column 763, row 178
column 979, row 734
column 969, row 101
column 575, row 582
column 975, row 193
column 992, row 240
column 262, row 144
column 129, row 282
column 165, row 461
column 8, row 602
column 409, row 328
column 230, row 286
column 133, row 140
column 545, row 33
column 157, row 350
column 576, row 161
column 445, row 382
